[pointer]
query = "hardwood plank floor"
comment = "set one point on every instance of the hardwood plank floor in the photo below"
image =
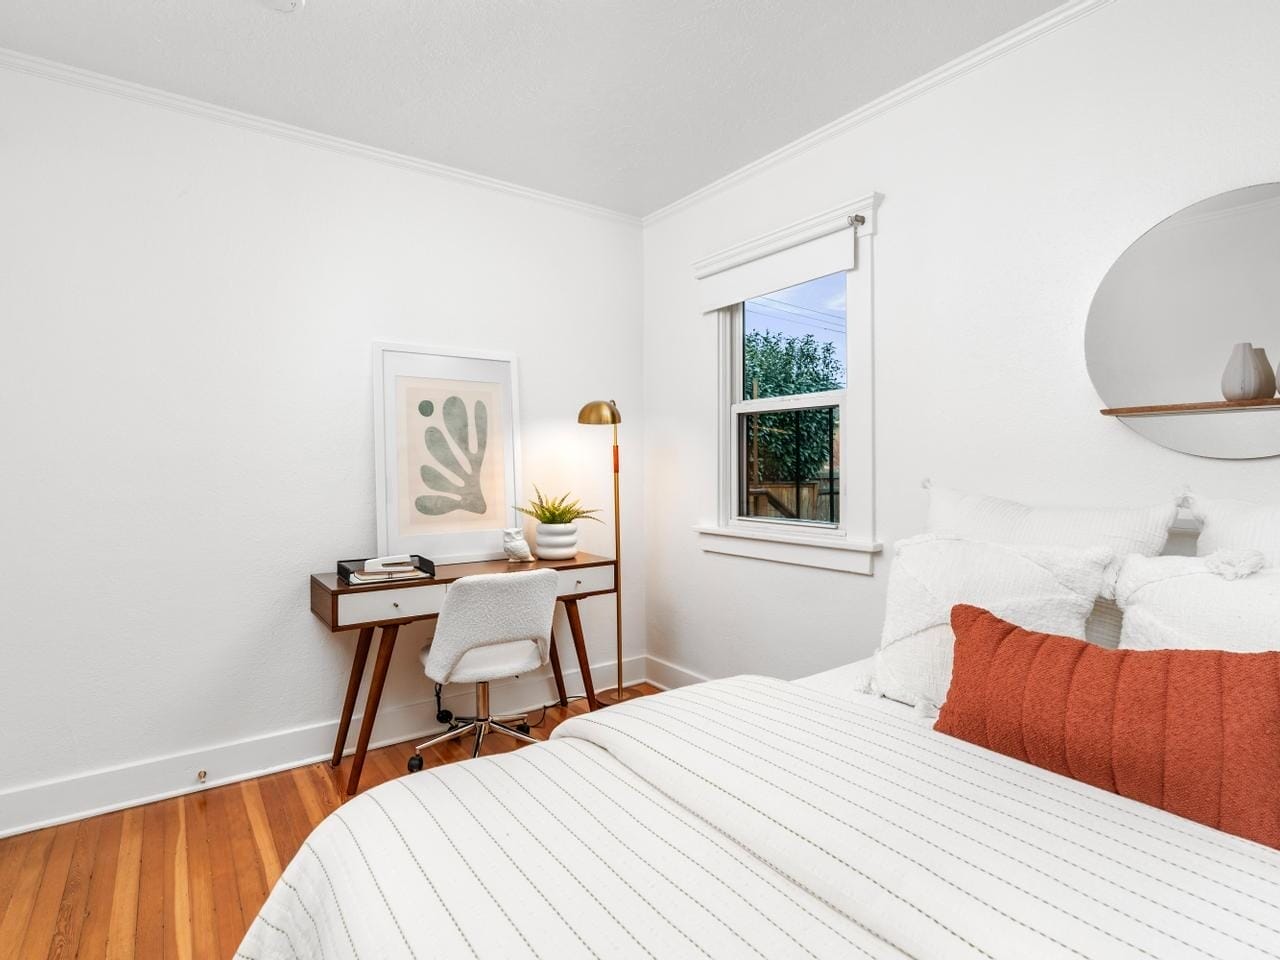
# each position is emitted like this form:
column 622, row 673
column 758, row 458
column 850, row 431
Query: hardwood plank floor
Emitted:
column 184, row 878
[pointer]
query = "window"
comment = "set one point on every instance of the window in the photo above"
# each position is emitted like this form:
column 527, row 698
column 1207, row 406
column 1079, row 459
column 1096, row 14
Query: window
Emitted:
column 793, row 309
column 791, row 347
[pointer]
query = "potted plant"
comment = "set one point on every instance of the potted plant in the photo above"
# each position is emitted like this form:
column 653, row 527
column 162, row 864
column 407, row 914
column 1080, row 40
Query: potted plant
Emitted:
column 557, row 534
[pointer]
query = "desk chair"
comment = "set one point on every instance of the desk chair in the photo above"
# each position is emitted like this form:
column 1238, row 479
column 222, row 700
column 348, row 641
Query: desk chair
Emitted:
column 491, row 626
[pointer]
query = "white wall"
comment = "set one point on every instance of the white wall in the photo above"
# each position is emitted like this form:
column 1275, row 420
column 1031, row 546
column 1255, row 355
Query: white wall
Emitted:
column 1009, row 192
column 188, row 308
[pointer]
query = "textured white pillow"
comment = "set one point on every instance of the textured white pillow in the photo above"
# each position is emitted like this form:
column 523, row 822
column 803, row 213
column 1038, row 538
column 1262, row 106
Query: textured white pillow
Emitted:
column 1200, row 603
column 1124, row 530
column 1237, row 525
column 1046, row 589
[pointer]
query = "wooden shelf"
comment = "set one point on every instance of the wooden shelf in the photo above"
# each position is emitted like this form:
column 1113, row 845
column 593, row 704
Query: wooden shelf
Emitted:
column 1176, row 409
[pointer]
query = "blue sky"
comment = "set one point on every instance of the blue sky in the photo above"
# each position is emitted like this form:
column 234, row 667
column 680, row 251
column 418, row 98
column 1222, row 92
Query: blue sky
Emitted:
column 816, row 307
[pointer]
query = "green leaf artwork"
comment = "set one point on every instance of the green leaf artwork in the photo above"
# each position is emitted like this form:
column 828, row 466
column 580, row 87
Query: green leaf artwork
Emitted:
column 450, row 495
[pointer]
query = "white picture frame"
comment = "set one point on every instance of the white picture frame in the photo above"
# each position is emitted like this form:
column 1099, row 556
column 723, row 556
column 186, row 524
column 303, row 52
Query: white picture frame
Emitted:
column 446, row 427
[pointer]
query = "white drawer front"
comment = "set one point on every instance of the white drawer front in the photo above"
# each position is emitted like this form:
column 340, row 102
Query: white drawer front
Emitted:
column 389, row 604
column 586, row 580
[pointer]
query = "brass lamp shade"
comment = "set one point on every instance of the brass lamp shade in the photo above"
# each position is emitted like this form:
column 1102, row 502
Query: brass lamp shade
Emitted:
column 600, row 413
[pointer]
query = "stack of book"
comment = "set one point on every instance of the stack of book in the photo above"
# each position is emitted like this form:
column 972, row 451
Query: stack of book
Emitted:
column 386, row 569
column 382, row 576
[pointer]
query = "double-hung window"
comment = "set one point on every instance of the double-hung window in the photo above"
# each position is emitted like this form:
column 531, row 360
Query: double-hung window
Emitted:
column 789, row 362
column 795, row 416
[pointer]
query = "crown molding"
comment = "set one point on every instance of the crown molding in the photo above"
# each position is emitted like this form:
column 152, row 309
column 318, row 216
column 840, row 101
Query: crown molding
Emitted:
column 62, row 73
column 1058, row 17
column 100, row 83
column 829, row 221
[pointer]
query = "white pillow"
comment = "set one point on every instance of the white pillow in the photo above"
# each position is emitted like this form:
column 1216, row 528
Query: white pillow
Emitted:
column 1237, row 525
column 1124, row 530
column 1046, row 589
column 1200, row 603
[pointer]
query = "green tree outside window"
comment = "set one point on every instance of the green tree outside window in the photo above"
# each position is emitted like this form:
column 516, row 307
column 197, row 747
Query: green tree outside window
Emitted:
column 775, row 365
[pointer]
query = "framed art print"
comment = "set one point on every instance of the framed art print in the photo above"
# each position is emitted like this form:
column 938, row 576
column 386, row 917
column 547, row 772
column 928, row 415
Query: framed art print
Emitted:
column 447, row 451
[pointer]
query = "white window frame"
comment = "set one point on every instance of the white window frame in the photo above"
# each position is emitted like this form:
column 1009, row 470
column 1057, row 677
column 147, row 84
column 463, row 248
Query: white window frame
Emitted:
column 850, row 544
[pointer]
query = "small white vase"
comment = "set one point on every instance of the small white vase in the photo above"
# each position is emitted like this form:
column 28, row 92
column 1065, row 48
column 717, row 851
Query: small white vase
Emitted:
column 557, row 541
column 1267, row 389
column 1241, row 380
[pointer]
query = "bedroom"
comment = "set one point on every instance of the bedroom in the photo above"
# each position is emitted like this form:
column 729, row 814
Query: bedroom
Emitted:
column 214, row 212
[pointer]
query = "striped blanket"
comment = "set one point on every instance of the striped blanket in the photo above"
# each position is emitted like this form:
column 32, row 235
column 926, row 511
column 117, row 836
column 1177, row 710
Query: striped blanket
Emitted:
column 752, row 817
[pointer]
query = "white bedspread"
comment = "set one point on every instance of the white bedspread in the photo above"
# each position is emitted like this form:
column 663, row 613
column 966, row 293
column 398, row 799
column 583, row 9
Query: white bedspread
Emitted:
column 727, row 820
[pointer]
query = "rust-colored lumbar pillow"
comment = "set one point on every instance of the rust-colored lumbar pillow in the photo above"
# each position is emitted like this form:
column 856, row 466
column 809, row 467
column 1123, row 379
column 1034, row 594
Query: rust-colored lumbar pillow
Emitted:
column 1195, row 732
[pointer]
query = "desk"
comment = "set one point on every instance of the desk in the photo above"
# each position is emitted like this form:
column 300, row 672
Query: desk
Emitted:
column 390, row 606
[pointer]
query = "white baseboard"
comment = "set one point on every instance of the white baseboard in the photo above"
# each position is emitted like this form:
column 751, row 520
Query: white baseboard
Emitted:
column 45, row 804
column 668, row 676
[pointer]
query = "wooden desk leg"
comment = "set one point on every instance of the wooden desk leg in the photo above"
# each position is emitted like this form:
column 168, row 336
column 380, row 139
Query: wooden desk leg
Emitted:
column 555, row 668
column 580, row 644
column 353, row 687
column 385, row 646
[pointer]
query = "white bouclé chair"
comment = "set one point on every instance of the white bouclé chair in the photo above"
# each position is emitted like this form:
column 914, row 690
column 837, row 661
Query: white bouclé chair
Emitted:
column 490, row 627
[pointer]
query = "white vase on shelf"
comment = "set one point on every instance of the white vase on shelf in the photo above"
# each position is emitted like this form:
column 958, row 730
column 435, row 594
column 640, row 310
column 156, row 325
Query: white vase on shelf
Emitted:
column 557, row 541
column 1241, row 380
column 1267, row 376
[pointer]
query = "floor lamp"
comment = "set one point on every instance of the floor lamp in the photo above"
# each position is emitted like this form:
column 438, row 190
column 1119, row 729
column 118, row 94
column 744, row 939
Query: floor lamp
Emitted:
column 605, row 413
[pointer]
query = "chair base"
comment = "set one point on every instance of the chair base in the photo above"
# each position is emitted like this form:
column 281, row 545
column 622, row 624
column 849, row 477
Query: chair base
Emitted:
column 482, row 725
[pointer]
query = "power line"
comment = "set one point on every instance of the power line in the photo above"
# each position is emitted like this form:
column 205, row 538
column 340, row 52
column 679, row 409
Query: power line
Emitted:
column 797, row 306
column 797, row 315
column 802, row 321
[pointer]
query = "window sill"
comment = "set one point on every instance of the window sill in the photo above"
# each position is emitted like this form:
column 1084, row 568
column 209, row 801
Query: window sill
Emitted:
column 822, row 552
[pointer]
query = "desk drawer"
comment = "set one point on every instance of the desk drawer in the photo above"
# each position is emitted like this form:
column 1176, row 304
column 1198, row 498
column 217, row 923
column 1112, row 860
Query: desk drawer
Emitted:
column 586, row 580
column 389, row 604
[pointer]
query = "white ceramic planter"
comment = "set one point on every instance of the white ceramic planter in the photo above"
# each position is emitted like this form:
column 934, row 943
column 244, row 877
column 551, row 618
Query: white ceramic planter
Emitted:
column 557, row 541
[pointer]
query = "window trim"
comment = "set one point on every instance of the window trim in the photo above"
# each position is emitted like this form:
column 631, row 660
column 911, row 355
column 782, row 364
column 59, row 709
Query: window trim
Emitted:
column 851, row 544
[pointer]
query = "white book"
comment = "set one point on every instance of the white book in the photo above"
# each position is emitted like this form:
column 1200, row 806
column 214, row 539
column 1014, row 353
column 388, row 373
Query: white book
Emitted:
column 385, row 576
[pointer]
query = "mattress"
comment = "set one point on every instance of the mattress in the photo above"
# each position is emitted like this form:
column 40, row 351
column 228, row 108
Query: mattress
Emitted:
column 758, row 817
column 847, row 680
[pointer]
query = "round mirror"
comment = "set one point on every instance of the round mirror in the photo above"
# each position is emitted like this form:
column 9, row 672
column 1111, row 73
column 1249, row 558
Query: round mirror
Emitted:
column 1183, row 337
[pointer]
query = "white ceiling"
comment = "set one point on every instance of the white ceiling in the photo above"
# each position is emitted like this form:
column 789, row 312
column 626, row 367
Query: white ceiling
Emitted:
column 629, row 104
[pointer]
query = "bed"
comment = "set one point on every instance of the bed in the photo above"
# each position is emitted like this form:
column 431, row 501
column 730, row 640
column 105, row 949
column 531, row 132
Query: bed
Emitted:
column 754, row 817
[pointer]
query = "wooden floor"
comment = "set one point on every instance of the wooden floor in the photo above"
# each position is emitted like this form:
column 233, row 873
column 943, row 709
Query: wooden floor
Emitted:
column 182, row 878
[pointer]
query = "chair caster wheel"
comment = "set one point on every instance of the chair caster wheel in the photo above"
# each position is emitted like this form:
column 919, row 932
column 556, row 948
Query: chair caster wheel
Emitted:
column 523, row 728
column 444, row 716
column 415, row 763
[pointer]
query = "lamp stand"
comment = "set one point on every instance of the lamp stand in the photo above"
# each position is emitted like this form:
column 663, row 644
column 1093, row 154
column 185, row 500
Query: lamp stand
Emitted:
column 619, row 694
